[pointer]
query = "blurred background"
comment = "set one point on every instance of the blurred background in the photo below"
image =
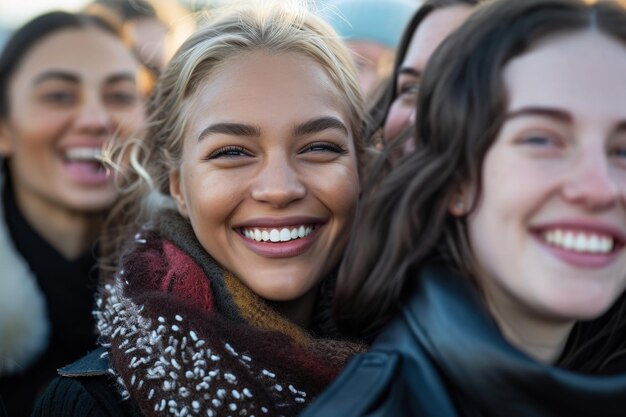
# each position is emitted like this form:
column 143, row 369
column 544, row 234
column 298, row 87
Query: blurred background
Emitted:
column 15, row 13
column 154, row 29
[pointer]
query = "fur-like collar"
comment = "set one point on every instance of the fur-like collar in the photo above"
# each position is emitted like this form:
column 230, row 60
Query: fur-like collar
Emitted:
column 24, row 326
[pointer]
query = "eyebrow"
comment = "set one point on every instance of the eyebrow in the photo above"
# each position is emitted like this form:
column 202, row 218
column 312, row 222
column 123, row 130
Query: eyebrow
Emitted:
column 229, row 128
column 307, row 128
column 318, row 125
column 408, row 71
column 59, row 75
column 73, row 78
column 549, row 112
column 556, row 114
column 121, row 77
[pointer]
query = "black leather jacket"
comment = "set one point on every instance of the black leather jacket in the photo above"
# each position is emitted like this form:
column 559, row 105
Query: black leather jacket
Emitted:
column 443, row 356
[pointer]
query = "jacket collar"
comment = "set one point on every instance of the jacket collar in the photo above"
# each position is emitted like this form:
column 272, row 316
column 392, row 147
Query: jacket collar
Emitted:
column 450, row 321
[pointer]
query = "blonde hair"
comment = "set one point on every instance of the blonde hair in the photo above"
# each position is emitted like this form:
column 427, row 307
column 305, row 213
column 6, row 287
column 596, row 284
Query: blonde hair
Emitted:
column 273, row 26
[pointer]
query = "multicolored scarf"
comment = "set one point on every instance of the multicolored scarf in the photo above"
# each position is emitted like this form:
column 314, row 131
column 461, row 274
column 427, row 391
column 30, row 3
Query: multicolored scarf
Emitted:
column 186, row 337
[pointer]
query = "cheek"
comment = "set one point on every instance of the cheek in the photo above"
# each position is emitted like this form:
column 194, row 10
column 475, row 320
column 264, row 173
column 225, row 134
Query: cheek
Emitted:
column 37, row 128
column 397, row 120
column 129, row 122
column 210, row 206
column 340, row 192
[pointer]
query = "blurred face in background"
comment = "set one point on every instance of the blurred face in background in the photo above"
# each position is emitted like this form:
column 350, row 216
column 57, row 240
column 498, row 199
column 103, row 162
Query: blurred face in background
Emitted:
column 431, row 31
column 73, row 91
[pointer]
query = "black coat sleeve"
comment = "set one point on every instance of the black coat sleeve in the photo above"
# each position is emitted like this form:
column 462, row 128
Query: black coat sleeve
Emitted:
column 84, row 397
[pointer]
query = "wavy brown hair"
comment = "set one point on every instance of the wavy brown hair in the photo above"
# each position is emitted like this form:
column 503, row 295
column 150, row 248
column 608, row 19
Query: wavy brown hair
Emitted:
column 403, row 221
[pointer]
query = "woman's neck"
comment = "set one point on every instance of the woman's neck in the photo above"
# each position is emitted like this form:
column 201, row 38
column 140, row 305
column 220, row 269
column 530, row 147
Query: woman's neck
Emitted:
column 69, row 232
column 300, row 310
column 537, row 336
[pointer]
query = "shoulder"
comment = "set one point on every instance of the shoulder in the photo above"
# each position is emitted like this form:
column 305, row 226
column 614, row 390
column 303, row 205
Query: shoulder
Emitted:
column 95, row 363
column 397, row 377
column 84, row 388
column 24, row 326
column 358, row 388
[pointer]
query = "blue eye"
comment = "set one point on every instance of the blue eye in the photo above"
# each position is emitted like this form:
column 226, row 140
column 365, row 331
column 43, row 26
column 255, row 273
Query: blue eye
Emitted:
column 229, row 152
column 324, row 147
column 539, row 140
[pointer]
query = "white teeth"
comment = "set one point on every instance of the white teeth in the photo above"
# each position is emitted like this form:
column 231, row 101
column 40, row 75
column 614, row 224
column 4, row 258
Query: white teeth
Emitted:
column 278, row 235
column 84, row 154
column 579, row 242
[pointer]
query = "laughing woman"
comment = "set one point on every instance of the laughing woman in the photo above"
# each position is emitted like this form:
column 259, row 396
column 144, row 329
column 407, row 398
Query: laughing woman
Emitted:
column 246, row 186
column 67, row 85
column 503, row 237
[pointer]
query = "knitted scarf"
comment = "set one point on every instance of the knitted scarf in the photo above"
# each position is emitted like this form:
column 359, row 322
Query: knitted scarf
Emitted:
column 186, row 337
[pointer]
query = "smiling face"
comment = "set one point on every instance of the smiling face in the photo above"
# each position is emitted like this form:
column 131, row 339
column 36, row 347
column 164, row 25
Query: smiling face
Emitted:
column 550, row 228
column 268, row 177
column 435, row 27
column 71, row 93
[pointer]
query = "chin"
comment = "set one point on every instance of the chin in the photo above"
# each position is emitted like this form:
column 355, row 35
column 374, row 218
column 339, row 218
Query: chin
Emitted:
column 93, row 206
column 280, row 294
column 584, row 308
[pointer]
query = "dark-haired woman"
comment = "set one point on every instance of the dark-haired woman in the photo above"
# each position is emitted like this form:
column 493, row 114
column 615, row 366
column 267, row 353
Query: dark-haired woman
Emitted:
column 67, row 85
column 393, row 112
column 503, row 237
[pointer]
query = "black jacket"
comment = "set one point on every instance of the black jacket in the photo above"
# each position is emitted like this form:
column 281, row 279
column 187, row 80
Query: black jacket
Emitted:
column 85, row 388
column 443, row 356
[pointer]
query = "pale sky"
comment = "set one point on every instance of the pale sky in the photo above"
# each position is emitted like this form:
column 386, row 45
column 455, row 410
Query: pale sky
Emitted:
column 15, row 12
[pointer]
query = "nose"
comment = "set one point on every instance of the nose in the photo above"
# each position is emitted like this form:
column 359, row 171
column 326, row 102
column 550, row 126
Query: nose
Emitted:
column 592, row 184
column 278, row 183
column 93, row 116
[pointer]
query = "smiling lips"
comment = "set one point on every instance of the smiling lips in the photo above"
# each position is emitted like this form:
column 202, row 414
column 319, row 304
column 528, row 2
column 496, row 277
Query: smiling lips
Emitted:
column 89, row 154
column 280, row 241
column 275, row 235
column 587, row 246
column 580, row 241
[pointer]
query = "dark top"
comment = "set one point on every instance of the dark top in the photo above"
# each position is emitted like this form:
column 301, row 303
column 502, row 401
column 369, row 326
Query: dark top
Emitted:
column 68, row 287
column 443, row 356
column 87, row 390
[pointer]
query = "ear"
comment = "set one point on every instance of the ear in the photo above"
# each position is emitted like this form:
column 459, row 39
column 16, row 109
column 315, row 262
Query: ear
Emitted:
column 177, row 193
column 6, row 144
column 460, row 201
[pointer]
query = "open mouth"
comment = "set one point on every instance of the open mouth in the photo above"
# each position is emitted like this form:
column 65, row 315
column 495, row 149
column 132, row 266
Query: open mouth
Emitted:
column 581, row 241
column 85, row 165
column 90, row 156
column 278, row 234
